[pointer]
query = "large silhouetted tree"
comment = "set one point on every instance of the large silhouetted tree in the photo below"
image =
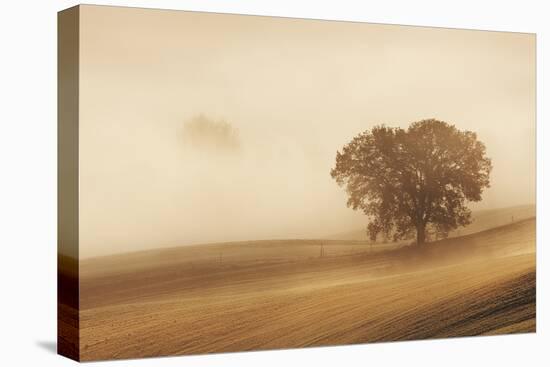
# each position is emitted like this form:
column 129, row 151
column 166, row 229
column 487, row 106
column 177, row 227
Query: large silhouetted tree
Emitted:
column 412, row 180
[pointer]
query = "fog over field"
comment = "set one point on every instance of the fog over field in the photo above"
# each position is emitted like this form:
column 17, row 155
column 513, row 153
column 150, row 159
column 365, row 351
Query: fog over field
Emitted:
column 225, row 128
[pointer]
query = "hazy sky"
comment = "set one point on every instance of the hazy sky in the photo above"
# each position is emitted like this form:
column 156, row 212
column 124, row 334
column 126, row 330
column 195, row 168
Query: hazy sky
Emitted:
column 296, row 91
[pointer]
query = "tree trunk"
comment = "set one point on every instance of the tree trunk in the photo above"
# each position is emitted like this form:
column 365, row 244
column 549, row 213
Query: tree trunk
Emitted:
column 420, row 234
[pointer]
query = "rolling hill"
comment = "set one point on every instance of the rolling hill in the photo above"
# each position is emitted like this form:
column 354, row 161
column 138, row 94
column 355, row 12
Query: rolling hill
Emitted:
column 292, row 293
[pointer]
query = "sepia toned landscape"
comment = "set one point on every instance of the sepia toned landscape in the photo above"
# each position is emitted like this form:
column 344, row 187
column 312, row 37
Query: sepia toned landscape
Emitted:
column 250, row 183
column 299, row 293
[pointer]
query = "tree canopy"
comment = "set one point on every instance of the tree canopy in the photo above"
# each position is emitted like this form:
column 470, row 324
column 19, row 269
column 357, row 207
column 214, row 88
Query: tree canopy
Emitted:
column 413, row 180
column 212, row 135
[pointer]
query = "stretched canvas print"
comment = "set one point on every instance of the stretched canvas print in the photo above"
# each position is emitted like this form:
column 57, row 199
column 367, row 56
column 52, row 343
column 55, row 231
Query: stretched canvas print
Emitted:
column 233, row 183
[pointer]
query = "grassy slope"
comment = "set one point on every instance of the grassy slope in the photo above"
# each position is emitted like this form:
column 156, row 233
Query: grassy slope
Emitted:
column 278, row 294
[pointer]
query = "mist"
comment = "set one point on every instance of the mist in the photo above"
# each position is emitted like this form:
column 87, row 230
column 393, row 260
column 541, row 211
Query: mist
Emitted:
column 279, row 97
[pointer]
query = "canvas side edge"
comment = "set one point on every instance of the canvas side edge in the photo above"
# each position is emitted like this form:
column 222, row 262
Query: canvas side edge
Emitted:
column 68, row 334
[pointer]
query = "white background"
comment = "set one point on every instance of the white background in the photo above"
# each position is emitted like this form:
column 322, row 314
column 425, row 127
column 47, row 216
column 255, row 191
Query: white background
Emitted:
column 28, row 183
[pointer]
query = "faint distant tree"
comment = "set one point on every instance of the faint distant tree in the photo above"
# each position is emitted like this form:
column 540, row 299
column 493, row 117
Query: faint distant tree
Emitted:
column 208, row 134
column 410, row 180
